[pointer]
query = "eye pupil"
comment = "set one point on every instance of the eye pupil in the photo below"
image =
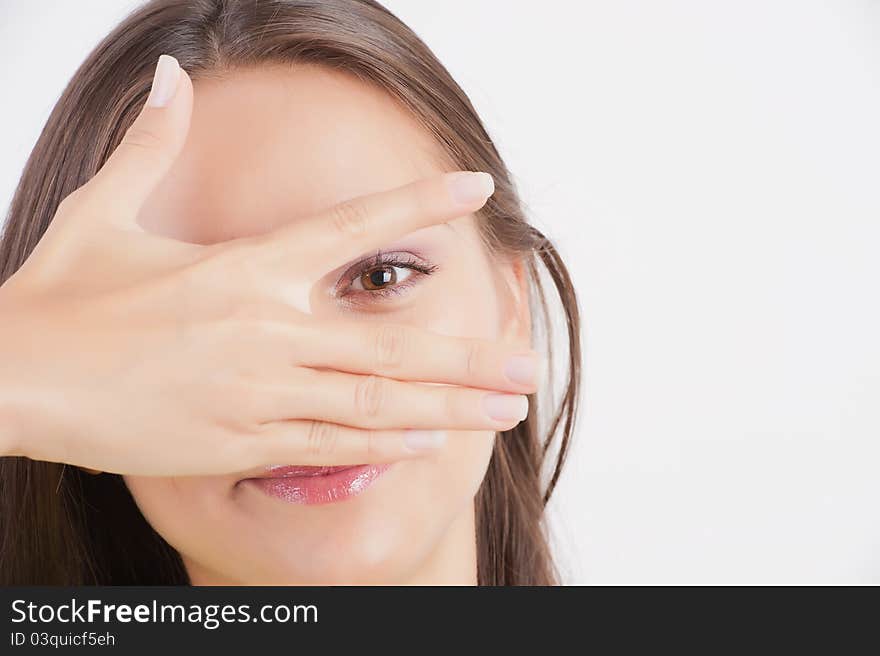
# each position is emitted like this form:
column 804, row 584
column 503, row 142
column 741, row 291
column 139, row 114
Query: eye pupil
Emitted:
column 378, row 278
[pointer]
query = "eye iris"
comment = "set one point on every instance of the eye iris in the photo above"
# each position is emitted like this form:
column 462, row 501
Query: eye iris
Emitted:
column 377, row 278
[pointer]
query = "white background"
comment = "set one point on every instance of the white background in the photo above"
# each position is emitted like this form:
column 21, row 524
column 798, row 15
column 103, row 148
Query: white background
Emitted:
column 711, row 171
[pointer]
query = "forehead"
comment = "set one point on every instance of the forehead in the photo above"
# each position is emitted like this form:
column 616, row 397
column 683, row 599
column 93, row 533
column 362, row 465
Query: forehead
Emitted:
column 270, row 144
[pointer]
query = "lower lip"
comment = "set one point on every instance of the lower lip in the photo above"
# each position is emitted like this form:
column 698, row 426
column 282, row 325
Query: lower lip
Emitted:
column 311, row 486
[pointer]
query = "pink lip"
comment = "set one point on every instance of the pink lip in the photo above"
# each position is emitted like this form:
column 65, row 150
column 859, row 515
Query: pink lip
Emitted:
column 314, row 485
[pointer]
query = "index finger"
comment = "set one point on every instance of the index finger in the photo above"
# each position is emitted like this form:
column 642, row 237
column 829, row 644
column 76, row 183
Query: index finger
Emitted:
column 356, row 226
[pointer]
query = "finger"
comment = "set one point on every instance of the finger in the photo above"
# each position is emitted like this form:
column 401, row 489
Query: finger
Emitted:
column 310, row 442
column 149, row 146
column 356, row 226
column 382, row 403
column 409, row 353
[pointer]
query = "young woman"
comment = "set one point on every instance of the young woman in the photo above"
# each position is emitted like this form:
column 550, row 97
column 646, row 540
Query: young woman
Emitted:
column 267, row 316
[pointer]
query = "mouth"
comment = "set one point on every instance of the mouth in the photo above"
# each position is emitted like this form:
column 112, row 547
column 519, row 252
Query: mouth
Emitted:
column 315, row 485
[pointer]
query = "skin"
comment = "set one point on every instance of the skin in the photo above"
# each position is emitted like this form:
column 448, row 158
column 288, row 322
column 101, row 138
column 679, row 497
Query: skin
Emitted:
column 305, row 139
column 177, row 322
column 209, row 355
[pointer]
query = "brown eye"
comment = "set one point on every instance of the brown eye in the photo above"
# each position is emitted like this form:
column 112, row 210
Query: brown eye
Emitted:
column 382, row 276
column 378, row 278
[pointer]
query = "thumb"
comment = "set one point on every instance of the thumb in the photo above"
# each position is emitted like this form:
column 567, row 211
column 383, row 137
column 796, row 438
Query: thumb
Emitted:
column 149, row 146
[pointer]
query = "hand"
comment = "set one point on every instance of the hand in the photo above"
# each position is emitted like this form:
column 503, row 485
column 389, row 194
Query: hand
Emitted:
column 128, row 352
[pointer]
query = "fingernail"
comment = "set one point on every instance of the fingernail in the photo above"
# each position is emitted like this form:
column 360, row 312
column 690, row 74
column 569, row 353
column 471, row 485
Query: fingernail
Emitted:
column 164, row 81
column 471, row 187
column 522, row 369
column 506, row 407
column 424, row 440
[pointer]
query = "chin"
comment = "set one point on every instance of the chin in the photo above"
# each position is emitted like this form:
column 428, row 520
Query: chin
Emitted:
column 395, row 523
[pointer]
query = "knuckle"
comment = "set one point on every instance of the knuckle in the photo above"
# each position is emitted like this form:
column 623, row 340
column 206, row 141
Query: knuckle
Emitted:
column 389, row 346
column 472, row 358
column 370, row 394
column 141, row 137
column 146, row 142
column 372, row 445
column 349, row 219
column 321, row 437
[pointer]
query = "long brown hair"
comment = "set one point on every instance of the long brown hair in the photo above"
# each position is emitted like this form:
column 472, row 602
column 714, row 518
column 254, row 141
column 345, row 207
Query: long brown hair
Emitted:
column 59, row 525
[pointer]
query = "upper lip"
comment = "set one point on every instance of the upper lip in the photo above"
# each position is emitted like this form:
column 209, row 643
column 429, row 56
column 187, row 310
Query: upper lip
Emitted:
column 291, row 471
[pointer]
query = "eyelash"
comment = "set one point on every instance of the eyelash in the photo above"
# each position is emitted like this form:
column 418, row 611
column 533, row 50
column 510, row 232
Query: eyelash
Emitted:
column 419, row 268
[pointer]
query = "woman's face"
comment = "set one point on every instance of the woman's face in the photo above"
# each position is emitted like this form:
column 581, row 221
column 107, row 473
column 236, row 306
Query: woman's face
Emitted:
column 270, row 145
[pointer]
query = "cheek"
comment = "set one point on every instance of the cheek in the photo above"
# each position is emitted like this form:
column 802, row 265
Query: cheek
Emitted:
column 467, row 307
column 190, row 513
